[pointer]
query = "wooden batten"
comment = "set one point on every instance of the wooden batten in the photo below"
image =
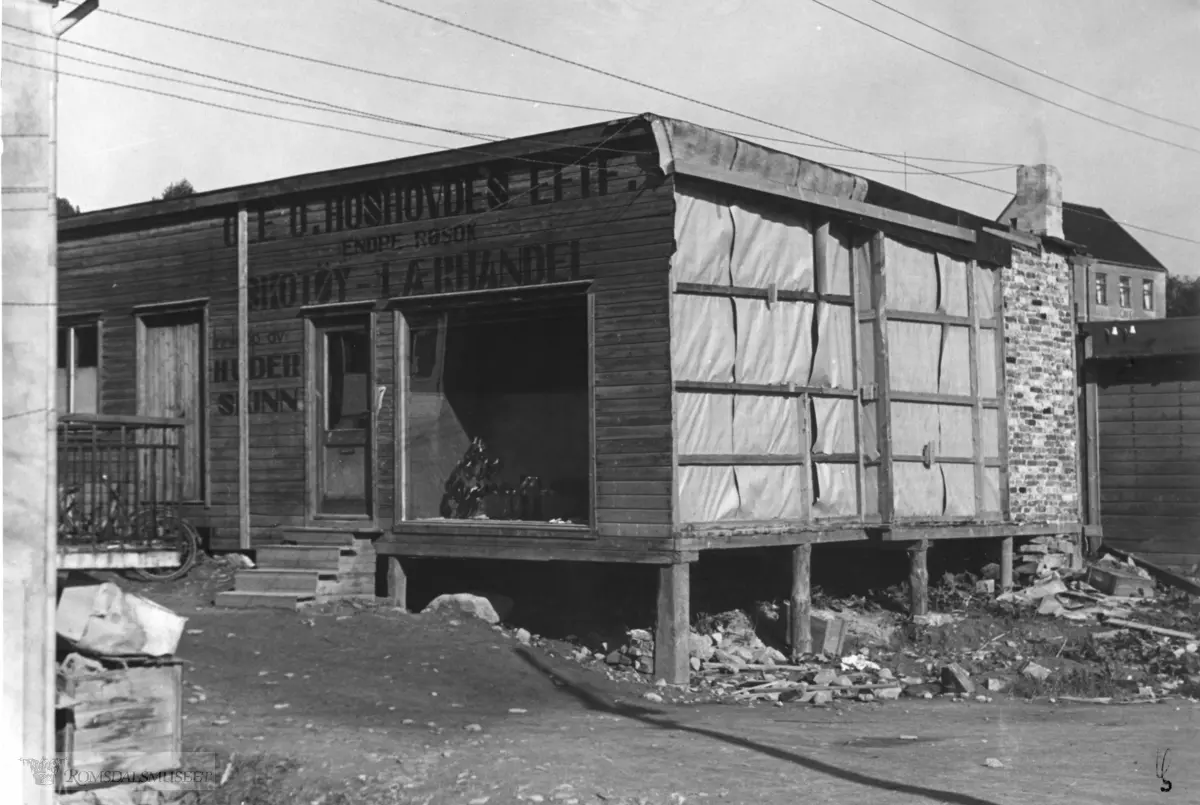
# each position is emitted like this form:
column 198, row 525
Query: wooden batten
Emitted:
column 878, row 252
column 243, row 379
column 1002, row 395
column 977, row 403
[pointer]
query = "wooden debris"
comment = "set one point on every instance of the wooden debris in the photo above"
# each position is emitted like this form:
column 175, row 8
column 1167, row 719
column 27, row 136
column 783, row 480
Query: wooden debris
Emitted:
column 1145, row 627
column 1160, row 573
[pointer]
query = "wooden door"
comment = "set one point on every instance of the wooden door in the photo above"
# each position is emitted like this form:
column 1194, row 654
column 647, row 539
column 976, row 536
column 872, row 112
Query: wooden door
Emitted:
column 170, row 384
column 343, row 372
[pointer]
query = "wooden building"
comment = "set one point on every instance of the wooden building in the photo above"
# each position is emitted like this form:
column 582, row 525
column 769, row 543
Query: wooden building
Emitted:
column 669, row 340
column 1143, row 380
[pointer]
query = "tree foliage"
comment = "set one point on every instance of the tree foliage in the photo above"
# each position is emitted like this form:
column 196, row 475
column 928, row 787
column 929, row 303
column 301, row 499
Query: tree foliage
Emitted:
column 1183, row 296
column 178, row 189
column 65, row 208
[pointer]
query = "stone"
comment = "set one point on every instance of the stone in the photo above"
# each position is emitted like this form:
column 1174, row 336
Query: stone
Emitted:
column 640, row 636
column 643, row 666
column 985, row 587
column 822, row 697
column 523, row 637
column 996, row 685
column 701, row 646
column 956, row 679
column 993, row 763
column 923, row 690
column 885, row 675
column 825, row 676
column 473, row 728
column 473, row 605
column 652, row 697
column 866, row 697
column 843, row 682
column 1034, row 671
column 694, row 663
column 501, row 603
column 800, row 694
column 991, row 571
column 615, row 658
column 888, row 694
column 725, row 658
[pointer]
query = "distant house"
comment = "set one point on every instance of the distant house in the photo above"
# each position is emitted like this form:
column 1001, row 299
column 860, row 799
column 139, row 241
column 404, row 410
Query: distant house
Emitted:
column 1123, row 280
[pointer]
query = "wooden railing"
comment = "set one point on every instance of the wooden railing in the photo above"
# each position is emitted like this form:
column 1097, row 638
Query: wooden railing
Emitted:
column 116, row 474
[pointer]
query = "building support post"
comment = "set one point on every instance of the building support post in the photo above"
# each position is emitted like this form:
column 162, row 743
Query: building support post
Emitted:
column 397, row 582
column 672, row 629
column 800, row 624
column 918, row 578
column 1006, row 564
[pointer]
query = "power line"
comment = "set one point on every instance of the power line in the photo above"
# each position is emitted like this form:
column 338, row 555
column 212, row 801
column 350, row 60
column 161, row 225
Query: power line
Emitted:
column 1001, row 82
column 728, row 111
column 1039, row 73
column 473, row 91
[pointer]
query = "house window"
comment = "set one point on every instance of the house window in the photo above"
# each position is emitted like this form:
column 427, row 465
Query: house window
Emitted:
column 1101, row 289
column 78, row 372
column 1147, row 294
column 1126, row 292
column 498, row 411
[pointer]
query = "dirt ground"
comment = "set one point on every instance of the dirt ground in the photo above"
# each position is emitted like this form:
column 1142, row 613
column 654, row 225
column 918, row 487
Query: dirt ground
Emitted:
column 348, row 705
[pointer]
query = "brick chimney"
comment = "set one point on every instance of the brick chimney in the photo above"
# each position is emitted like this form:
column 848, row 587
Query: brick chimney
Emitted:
column 1038, row 205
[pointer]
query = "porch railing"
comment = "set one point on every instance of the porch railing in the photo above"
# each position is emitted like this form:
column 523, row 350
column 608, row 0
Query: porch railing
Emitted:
column 116, row 474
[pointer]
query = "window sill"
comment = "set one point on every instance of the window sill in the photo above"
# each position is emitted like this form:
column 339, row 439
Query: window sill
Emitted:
column 492, row 528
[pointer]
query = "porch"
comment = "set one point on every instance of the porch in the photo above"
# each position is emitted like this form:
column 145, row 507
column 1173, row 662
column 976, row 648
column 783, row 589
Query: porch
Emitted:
column 119, row 480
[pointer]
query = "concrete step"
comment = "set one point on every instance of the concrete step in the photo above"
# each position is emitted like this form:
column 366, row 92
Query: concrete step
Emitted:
column 313, row 557
column 237, row 599
column 280, row 580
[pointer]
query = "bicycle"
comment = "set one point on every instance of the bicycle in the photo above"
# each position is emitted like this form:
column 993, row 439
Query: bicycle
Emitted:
column 148, row 526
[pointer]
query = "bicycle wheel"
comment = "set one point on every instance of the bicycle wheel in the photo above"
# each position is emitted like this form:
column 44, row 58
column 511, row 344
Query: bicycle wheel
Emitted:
column 170, row 531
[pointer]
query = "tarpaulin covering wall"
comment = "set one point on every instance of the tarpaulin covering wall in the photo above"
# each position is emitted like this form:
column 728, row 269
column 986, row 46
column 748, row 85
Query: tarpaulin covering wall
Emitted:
column 763, row 347
column 945, row 423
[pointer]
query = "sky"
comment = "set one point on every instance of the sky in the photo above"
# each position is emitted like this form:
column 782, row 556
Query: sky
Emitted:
column 789, row 62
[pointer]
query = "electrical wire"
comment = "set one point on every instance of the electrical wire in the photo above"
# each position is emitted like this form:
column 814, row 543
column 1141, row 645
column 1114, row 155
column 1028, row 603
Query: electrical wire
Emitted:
column 1038, row 73
column 726, row 110
column 1003, row 83
column 499, row 95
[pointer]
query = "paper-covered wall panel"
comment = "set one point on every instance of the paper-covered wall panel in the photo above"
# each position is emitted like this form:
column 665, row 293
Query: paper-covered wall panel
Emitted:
column 766, row 425
column 773, row 342
column 833, row 364
column 955, row 431
column 871, row 491
column 987, row 363
column 913, row 355
column 918, row 491
column 985, row 291
column 702, row 338
column 952, row 278
column 913, row 426
column 707, row 494
column 866, row 352
column 991, row 489
column 836, row 274
column 837, row 492
column 833, row 425
column 912, row 278
column 870, row 430
column 990, row 427
column 770, row 492
column 703, row 240
column 861, row 257
column 704, row 423
column 771, row 246
column 960, row 489
column 954, row 376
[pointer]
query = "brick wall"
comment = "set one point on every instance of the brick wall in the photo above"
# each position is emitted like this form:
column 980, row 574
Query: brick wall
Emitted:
column 1039, row 344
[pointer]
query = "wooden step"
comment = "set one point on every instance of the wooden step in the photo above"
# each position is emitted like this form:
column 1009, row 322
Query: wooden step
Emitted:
column 237, row 599
column 314, row 557
column 356, row 540
column 280, row 580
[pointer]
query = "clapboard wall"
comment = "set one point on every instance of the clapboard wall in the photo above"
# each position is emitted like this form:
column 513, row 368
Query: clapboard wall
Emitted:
column 1149, row 446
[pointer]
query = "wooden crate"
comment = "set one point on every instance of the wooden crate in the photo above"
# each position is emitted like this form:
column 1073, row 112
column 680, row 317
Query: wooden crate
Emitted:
column 1120, row 584
column 124, row 719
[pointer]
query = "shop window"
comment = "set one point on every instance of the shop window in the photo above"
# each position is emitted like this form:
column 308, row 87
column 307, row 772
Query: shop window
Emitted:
column 1102, row 289
column 1147, row 294
column 498, row 412
column 78, row 368
column 1126, row 292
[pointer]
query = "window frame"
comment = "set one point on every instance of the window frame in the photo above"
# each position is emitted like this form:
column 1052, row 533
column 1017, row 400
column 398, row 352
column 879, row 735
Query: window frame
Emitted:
column 1125, row 292
column 71, row 324
column 1147, row 294
column 1100, row 289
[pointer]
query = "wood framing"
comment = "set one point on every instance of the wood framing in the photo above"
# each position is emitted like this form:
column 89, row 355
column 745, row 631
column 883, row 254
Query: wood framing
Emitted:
column 878, row 256
column 800, row 625
column 243, row 379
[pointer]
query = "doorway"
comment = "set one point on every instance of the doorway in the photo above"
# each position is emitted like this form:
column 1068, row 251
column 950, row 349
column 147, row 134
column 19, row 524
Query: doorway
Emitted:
column 343, row 416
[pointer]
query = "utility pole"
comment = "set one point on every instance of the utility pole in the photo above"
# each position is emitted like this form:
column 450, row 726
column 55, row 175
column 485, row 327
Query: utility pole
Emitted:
column 29, row 292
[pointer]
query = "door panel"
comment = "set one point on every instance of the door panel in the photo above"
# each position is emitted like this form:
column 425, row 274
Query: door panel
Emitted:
column 171, row 385
column 344, row 427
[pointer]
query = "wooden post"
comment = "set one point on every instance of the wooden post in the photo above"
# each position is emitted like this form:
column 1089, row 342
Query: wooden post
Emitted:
column 1006, row 564
column 977, row 451
column 397, row 582
column 883, row 403
column 918, row 577
column 243, row 377
column 800, row 627
column 672, row 629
